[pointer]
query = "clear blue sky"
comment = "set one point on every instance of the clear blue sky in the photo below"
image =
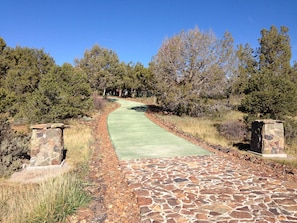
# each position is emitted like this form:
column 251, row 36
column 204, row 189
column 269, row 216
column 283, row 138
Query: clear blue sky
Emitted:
column 135, row 29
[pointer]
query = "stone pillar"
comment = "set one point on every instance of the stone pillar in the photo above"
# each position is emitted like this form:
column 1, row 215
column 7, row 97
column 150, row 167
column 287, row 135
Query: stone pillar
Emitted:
column 47, row 144
column 268, row 138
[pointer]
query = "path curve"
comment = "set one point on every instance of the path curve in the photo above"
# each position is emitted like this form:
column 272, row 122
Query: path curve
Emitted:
column 207, row 188
column 135, row 136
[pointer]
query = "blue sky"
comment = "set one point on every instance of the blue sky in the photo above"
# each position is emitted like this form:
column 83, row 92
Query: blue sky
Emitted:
column 135, row 29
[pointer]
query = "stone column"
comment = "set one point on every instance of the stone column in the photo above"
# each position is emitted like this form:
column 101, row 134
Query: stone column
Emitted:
column 268, row 138
column 47, row 144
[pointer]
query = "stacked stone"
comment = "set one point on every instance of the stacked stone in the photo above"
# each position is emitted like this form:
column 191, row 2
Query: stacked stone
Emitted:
column 268, row 138
column 47, row 144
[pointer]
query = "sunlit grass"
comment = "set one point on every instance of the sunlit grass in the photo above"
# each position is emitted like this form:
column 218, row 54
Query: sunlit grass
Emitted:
column 203, row 127
column 51, row 201
column 198, row 127
column 58, row 198
column 147, row 100
column 15, row 201
column 77, row 141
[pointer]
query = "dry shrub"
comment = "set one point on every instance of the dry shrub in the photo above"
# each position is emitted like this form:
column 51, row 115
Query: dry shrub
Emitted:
column 99, row 102
column 14, row 148
column 233, row 130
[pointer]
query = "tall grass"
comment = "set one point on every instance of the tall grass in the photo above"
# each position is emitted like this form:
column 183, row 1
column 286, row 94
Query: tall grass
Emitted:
column 55, row 198
column 58, row 198
column 203, row 127
column 51, row 201
column 77, row 142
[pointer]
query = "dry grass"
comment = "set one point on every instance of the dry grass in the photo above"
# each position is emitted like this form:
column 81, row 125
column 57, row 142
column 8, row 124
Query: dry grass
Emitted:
column 51, row 201
column 15, row 201
column 77, row 141
column 198, row 127
column 145, row 100
column 202, row 127
column 54, row 199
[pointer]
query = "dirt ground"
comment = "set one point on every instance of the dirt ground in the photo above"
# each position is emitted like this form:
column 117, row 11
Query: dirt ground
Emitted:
column 37, row 175
column 113, row 199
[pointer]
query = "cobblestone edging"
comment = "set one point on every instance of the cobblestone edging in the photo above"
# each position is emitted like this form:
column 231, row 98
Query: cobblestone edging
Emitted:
column 209, row 189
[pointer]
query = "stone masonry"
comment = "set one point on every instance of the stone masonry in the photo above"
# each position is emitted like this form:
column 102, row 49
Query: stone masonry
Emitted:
column 47, row 144
column 268, row 138
column 207, row 189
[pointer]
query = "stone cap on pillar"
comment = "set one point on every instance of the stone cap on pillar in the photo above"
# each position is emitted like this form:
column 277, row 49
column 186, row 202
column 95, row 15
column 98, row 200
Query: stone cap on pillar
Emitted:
column 268, row 121
column 49, row 126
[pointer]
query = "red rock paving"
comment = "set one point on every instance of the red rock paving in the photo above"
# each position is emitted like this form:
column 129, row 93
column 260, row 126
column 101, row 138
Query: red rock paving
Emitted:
column 209, row 189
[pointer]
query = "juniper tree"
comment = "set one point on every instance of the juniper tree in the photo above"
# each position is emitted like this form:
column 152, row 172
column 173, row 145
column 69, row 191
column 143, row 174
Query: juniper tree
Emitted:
column 270, row 89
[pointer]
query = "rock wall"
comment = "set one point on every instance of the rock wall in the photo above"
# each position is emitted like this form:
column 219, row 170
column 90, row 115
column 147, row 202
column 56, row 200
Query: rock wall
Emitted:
column 47, row 144
column 268, row 138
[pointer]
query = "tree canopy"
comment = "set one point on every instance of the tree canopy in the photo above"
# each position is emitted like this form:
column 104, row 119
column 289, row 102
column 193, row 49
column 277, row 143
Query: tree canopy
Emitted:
column 33, row 88
column 100, row 65
column 106, row 74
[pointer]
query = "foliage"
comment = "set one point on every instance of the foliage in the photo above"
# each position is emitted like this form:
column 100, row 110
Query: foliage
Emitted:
column 270, row 96
column 14, row 148
column 107, row 75
column 247, row 66
column 22, row 69
column 34, row 89
column 7, row 99
column 267, row 77
column 275, row 50
column 63, row 93
column 142, row 81
column 190, row 66
column 100, row 65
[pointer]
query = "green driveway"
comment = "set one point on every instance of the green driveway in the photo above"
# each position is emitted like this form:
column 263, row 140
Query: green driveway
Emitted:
column 135, row 136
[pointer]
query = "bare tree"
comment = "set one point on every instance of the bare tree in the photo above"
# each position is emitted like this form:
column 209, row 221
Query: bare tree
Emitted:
column 190, row 66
